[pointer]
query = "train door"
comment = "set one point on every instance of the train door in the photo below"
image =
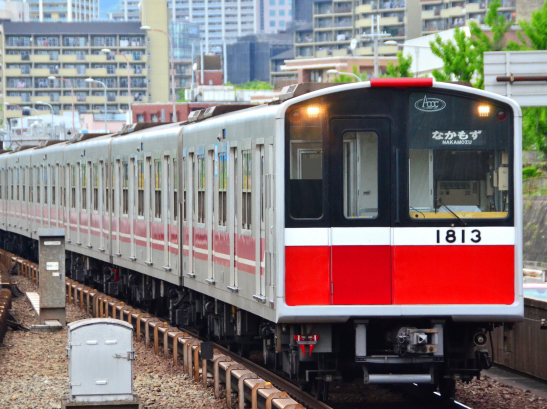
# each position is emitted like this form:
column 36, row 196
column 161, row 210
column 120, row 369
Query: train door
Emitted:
column 209, row 200
column 101, row 204
column 148, row 208
column 117, row 206
column 258, row 222
column 359, row 195
column 133, row 184
column 269, row 221
column 68, row 201
column 231, row 216
column 190, row 212
column 89, row 206
column 166, row 203
column 79, row 204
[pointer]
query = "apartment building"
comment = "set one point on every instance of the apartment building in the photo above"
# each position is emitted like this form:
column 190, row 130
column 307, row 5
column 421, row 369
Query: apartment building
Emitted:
column 14, row 11
column 444, row 14
column 63, row 10
column 40, row 62
column 336, row 22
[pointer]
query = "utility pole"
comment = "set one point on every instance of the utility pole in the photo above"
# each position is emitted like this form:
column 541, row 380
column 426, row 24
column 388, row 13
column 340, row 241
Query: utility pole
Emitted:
column 376, row 36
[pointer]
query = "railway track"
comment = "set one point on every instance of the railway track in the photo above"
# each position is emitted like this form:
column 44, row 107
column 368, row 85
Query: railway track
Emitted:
column 250, row 382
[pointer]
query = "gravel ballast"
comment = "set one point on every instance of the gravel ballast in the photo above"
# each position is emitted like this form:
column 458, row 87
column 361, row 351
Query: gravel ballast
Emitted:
column 34, row 368
column 34, row 374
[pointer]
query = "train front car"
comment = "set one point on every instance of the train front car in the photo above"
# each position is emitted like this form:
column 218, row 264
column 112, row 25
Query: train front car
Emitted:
column 402, row 237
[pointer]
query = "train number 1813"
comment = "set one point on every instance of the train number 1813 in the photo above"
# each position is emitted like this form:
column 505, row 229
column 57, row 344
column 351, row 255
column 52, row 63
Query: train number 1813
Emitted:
column 452, row 236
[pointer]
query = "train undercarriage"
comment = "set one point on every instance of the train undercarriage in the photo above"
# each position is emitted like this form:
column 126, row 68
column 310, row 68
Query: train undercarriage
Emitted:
column 432, row 352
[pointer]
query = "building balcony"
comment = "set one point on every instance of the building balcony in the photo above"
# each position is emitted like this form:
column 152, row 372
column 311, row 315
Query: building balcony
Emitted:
column 40, row 72
column 364, row 9
column 430, row 14
column 12, row 113
column 321, row 53
column 122, row 99
column 13, row 100
column 13, row 58
column 68, row 72
column 342, row 10
column 96, row 58
column 95, row 72
column 475, row 7
column 95, row 99
column 40, row 58
column 388, row 49
column 14, row 72
column 42, row 98
column 452, row 12
column 363, row 22
column 363, row 51
column 67, row 99
column 342, row 52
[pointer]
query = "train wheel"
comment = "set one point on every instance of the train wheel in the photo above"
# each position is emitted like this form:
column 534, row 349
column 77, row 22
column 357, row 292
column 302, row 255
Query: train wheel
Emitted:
column 447, row 387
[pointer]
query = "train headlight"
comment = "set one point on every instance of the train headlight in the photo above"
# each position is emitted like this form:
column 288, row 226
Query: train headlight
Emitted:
column 483, row 110
column 313, row 112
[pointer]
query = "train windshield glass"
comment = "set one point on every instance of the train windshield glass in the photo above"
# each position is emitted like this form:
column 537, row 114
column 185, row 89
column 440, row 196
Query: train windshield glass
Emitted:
column 459, row 158
column 306, row 163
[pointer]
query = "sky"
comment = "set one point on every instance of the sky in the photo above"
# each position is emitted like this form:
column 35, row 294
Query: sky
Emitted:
column 107, row 6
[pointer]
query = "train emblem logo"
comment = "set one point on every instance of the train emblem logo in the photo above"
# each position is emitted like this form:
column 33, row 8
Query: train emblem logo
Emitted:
column 430, row 104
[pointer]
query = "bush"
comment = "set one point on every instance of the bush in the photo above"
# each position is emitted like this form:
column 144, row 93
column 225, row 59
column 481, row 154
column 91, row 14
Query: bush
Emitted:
column 529, row 172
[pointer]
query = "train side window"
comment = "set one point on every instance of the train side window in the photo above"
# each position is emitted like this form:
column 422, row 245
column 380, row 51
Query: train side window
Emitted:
column 360, row 169
column 222, row 189
column 201, row 189
column 140, row 188
column 73, row 187
column 95, row 198
column 38, row 184
column 157, row 188
column 305, row 189
column 125, row 188
column 11, row 183
column 175, row 188
column 246, row 184
column 83, row 197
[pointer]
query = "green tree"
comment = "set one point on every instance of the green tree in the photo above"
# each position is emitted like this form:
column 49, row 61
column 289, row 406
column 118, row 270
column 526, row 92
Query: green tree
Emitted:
column 349, row 78
column 181, row 96
column 534, row 129
column 254, row 85
column 403, row 67
column 534, row 32
column 460, row 57
column 499, row 26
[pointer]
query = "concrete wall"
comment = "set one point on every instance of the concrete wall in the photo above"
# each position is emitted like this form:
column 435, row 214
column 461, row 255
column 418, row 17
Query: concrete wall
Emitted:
column 522, row 346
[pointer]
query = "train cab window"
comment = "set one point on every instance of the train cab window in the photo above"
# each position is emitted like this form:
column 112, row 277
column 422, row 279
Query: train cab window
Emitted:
column 175, row 188
column 140, row 188
column 201, row 188
column 306, row 162
column 157, row 188
column 246, row 185
column 73, row 187
column 125, row 188
column 83, row 197
column 459, row 160
column 222, row 188
column 360, row 162
column 95, row 181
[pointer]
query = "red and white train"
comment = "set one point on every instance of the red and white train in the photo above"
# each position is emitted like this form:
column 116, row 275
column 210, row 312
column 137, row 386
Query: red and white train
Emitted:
column 371, row 227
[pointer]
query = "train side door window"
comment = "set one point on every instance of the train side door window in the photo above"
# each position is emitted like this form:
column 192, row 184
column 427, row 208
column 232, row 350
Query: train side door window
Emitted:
column 113, row 187
column 157, row 188
column 106, row 189
column 201, row 176
column 95, row 198
column 246, row 186
column 53, row 185
column 125, row 188
column 38, row 184
column 306, row 163
column 222, row 188
column 140, row 188
column 18, row 180
column 83, row 197
column 46, row 184
column 24, row 172
column 73, row 187
column 184, row 188
column 175, row 189
column 360, row 170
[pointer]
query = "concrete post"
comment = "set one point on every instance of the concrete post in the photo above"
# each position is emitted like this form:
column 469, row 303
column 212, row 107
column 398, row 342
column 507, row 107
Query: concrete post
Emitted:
column 52, row 275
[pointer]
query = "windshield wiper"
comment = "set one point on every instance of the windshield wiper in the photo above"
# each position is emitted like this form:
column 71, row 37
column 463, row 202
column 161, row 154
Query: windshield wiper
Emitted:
column 451, row 212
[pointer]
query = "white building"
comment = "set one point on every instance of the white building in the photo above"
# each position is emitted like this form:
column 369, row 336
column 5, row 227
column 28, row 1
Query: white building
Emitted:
column 14, row 11
column 63, row 10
